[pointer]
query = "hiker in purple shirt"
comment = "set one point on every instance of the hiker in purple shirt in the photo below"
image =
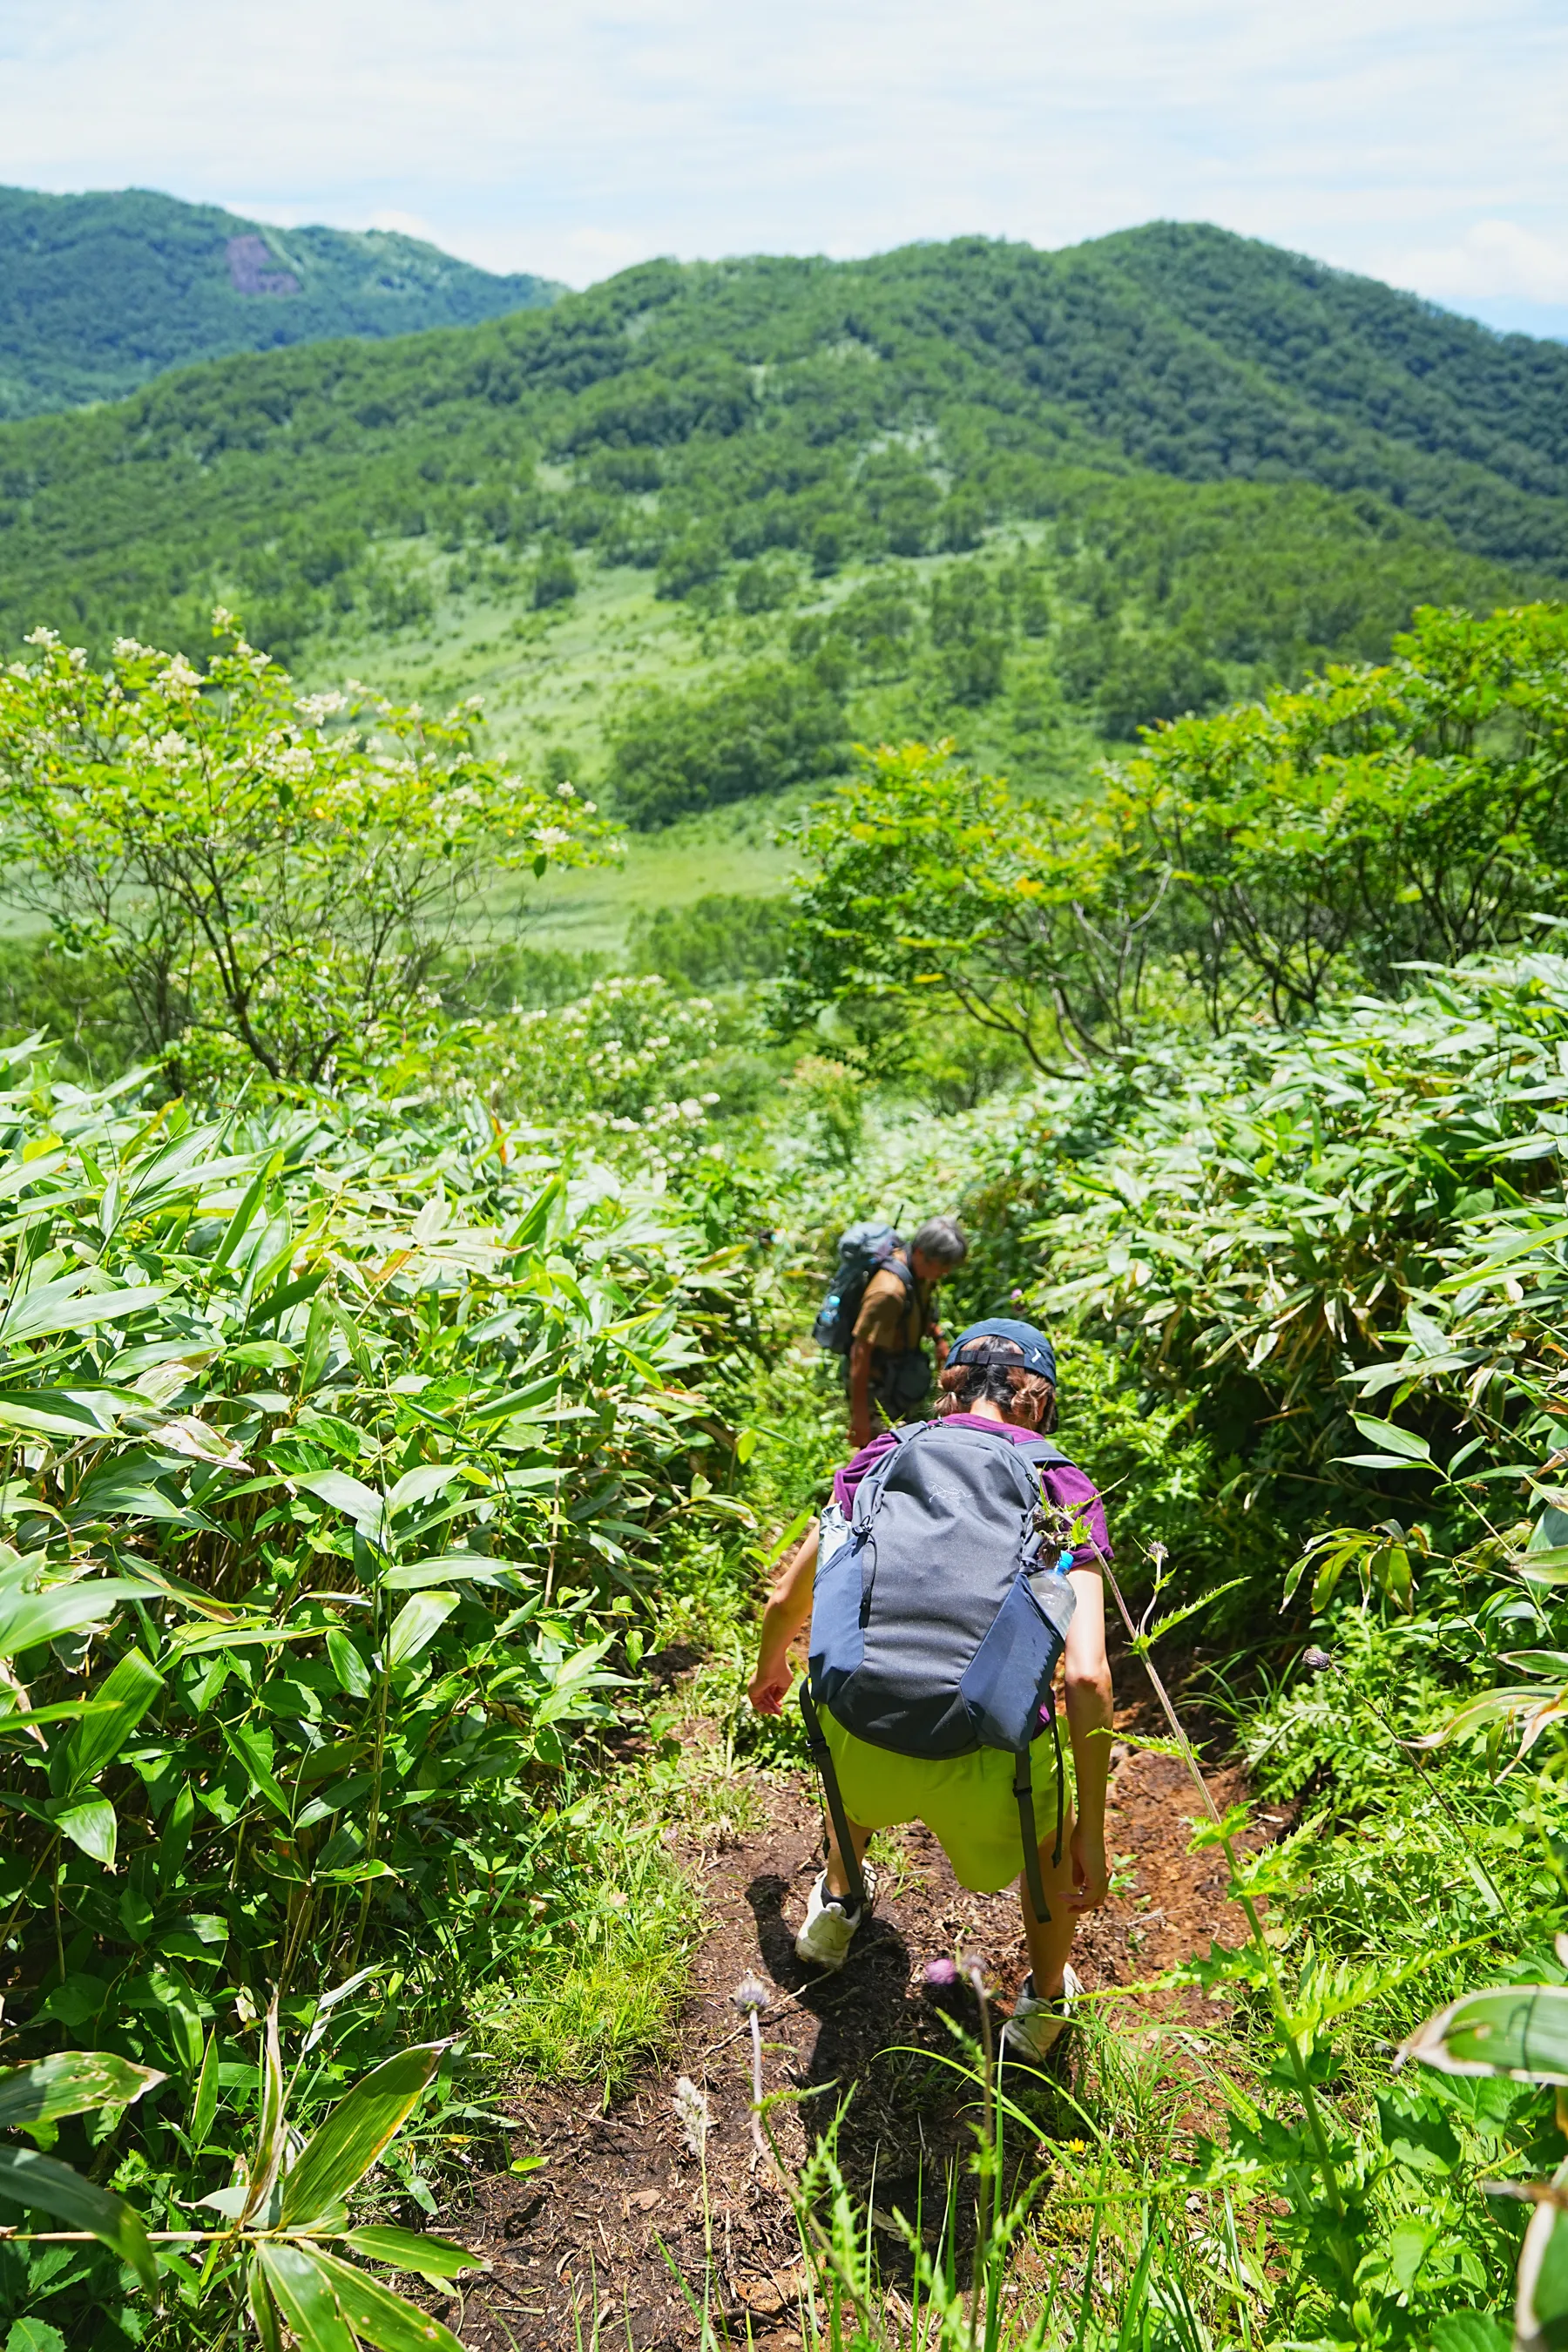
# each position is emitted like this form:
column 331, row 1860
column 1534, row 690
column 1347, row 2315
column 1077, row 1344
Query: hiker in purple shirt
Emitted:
column 999, row 1380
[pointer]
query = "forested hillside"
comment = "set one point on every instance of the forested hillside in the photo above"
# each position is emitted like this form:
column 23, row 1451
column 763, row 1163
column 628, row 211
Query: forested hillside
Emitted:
column 98, row 293
column 693, row 532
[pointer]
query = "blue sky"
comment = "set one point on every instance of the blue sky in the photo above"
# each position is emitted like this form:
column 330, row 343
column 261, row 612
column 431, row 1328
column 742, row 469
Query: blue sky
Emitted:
column 1419, row 141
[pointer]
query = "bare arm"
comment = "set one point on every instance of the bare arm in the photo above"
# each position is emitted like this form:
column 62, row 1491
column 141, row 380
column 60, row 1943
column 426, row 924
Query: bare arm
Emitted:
column 788, row 1609
column 1090, row 1717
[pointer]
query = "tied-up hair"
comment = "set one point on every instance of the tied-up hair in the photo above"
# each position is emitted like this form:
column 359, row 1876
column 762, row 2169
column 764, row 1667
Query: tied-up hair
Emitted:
column 993, row 1372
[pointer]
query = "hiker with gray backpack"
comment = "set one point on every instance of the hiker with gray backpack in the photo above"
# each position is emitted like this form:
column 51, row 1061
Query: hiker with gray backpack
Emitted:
column 877, row 1315
column 956, row 1566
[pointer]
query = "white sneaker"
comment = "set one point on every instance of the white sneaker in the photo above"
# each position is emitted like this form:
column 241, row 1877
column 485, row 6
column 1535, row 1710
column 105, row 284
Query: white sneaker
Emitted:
column 830, row 1925
column 1036, row 2026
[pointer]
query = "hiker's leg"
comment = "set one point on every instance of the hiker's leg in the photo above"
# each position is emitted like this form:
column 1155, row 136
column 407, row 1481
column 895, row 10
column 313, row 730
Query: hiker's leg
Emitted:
column 837, row 1876
column 1050, row 1940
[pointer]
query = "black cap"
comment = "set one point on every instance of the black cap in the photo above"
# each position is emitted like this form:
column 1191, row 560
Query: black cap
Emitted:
column 1038, row 1354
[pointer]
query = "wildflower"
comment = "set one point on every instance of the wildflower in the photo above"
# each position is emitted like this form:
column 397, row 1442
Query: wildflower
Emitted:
column 693, row 2115
column 315, row 708
column 751, row 1994
column 939, row 1975
column 1317, row 1662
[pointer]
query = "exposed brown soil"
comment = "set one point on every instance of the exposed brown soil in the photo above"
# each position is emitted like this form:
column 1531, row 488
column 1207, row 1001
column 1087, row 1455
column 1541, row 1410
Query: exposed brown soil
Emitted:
column 614, row 2221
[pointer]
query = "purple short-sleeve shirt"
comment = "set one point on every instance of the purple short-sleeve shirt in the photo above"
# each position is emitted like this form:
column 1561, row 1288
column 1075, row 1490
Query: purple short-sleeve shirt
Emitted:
column 1062, row 1482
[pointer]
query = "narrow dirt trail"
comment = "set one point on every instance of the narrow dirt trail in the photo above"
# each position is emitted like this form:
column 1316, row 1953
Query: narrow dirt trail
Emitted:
column 617, row 2220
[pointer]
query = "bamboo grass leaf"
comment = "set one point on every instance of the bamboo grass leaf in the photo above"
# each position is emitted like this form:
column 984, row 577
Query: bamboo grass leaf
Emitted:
column 343, row 2148
column 120, row 1702
column 40, row 2185
column 416, row 1624
column 272, row 2130
column 90, row 1825
column 383, row 2318
column 71, row 2083
column 1520, row 2032
column 303, row 2291
column 411, row 2249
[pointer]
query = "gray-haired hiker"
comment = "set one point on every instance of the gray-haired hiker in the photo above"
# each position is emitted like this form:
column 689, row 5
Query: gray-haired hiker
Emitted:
column 878, row 1316
column 957, row 1564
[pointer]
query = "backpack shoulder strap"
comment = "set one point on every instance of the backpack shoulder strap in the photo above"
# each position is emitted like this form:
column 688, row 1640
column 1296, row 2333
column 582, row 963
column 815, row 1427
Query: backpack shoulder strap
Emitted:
column 876, row 1477
column 1045, row 1456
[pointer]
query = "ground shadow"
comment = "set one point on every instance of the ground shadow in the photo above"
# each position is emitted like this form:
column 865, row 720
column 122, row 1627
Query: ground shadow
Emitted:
column 894, row 2078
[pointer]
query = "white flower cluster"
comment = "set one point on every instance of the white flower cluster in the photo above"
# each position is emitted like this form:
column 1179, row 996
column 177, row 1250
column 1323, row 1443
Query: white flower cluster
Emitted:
column 316, row 708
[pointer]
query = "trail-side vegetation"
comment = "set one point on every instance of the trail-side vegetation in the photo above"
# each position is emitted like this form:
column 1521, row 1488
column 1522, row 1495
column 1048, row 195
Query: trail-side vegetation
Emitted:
column 341, row 1446
column 371, row 1427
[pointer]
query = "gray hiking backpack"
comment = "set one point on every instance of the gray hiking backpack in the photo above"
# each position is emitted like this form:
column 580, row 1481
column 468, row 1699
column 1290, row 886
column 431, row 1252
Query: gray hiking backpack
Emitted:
column 863, row 1251
column 904, row 1378
column 941, row 1610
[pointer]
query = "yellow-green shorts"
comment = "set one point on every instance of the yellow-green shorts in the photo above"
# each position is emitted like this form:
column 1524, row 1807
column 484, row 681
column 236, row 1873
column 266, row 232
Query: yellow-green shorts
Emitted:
column 965, row 1801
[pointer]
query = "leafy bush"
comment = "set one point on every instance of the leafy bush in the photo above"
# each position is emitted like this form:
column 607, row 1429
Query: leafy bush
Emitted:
column 722, row 937
column 763, row 728
column 1277, row 851
column 269, row 883
column 932, row 887
column 1417, row 807
column 342, row 1448
column 480, row 979
column 554, row 576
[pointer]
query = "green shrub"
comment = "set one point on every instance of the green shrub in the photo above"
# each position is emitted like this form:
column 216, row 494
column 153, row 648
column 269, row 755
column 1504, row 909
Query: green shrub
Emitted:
column 349, row 1438
column 722, row 937
column 763, row 728
column 554, row 576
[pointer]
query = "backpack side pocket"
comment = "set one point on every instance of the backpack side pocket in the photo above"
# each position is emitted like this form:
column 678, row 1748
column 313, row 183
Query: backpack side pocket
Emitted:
column 1006, row 1686
column 837, row 1619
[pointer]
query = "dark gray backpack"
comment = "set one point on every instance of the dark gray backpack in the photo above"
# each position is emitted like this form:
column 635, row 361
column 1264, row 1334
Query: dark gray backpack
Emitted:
column 939, row 1614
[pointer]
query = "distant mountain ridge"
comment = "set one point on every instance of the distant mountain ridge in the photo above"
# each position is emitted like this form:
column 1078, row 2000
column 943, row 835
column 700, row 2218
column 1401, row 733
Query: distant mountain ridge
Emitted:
column 1184, row 463
column 100, row 293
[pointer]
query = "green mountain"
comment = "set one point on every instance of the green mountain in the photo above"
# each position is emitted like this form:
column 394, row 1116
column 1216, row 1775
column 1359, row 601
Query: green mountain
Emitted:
column 693, row 530
column 100, row 293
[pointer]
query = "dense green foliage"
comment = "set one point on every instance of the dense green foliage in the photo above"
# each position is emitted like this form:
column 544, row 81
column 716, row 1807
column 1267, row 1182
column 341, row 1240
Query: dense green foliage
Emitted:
column 266, row 876
column 98, row 293
column 756, row 732
column 366, row 1437
column 1276, row 852
column 364, row 1434
column 717, row 938
column 1307, row 1288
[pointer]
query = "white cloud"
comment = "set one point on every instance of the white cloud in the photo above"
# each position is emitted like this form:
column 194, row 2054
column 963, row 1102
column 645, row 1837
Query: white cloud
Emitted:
column 1492, row 259
column 574, row 138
